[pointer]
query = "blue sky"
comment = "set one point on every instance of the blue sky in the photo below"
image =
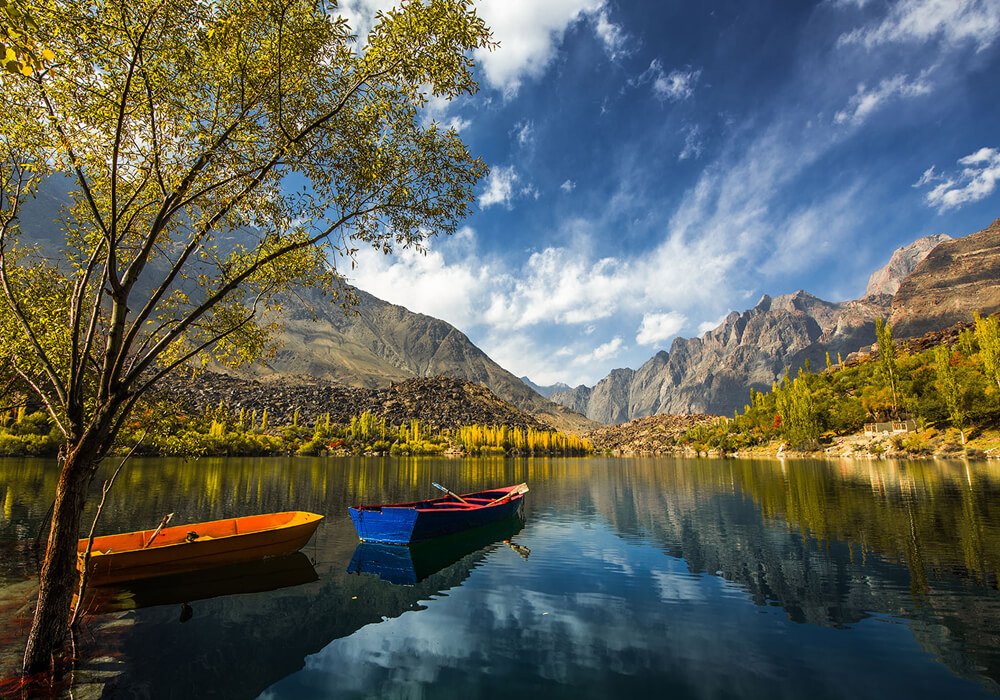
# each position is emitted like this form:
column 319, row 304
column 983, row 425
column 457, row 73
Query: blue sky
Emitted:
column 655, row 165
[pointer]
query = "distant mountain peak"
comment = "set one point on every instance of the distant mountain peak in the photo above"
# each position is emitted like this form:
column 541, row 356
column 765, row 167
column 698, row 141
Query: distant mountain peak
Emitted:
column 752, row 348
column 546, row 391
column 904, row 260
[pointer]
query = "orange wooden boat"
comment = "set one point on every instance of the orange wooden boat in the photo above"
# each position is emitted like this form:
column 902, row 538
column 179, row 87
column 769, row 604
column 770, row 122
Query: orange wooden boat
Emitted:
column 145, row 554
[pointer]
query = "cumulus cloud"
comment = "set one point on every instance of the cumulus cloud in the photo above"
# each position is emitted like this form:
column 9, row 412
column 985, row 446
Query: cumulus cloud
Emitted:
column 605, row 351
column 865, row 101
column 977, row 180
column 567, row 186
column 675, row 86
column 659, row 327
column 530, row 33
column 501, row 186
column 429, row 282
column 954, row 22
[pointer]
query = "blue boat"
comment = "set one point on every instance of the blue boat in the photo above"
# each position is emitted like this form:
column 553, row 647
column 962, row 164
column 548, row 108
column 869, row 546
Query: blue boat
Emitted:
column 403, row 523
column 412, row 564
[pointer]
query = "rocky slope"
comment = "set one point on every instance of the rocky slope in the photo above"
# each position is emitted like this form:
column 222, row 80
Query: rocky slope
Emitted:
column 378, row 343
column 713, row 373
column 958, row 277
column 439, row 401
column 750, row 349
column 652, row 435
column 887, row 279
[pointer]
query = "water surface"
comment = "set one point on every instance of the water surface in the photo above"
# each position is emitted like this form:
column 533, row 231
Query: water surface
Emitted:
column 681, row 578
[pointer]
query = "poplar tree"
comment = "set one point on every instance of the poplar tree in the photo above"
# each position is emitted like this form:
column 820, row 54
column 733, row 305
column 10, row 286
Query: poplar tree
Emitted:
column 887, row 359
column 947, row 382
column 217, row 153
column 988, row 337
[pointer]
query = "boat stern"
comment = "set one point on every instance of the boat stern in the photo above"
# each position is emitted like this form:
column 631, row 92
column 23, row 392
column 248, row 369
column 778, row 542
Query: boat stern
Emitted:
column 387, row 525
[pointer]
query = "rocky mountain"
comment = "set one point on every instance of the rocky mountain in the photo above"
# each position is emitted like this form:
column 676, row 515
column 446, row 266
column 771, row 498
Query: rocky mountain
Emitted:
column 546, row 391
column 377, row 343
column 751, row 349
column 954, row 280
column 886, row 280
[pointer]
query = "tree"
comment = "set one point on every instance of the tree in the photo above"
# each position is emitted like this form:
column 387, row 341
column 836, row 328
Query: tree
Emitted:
column 796, row 406
column 217, row 152
column 988, row 337
column 948, row 385
column 887, row 359
column 19, row 52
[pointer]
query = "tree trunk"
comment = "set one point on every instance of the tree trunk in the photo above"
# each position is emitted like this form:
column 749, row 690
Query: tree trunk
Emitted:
column 59, row 577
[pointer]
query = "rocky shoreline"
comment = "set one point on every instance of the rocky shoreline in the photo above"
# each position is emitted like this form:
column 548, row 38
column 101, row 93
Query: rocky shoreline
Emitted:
column 664, row 435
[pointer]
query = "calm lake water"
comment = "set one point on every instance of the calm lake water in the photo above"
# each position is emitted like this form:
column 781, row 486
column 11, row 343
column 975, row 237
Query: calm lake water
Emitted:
column 675, row 577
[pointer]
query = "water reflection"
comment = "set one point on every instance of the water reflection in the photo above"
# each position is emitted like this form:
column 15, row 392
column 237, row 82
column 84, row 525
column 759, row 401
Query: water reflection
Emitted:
column 414, row 563
column 185, row 588
column 697, row 577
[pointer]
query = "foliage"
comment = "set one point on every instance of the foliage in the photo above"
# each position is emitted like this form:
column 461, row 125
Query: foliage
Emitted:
column 887, row 360
column 220, row 432
column 23, row 433
column 216, row 153
column 948, row 385
column 19, row 52
column 988, row 338
column 944, row 386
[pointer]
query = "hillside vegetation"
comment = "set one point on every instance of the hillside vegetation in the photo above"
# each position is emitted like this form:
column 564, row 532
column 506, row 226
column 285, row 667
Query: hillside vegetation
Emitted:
column 416, row 417
column 947, row 385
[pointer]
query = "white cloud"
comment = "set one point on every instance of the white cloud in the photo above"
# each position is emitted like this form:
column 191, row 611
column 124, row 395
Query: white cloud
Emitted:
column 524, row 132
column 500, row 187
column 657, row 328
column 927, row 178
column 693, row 145
column 360, row 14
column 614, row 37
column 605, row 351
column 955, row 22
column 568, row 186
column 427, row 282
column 978, row 180
column 675, row 86
column 530, row 32
column 865, row 101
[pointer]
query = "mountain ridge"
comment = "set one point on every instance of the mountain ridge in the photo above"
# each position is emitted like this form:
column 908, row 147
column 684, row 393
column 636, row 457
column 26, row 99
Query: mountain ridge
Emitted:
column 713, row 373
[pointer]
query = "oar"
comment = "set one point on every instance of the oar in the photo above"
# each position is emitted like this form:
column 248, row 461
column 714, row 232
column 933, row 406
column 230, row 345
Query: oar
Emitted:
column 450, row 493
column 519, row 489
column 166, row 519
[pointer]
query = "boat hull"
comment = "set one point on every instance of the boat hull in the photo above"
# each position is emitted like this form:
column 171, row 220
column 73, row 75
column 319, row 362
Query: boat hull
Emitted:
column 131, row 556
column 414, row 563
column 405, row 523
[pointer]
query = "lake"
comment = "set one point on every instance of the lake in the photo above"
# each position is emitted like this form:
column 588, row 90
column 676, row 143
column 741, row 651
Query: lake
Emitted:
column 681, row 578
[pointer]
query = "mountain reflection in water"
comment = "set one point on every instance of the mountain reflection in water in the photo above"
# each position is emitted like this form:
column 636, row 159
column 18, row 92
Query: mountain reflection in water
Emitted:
column 699, row 578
